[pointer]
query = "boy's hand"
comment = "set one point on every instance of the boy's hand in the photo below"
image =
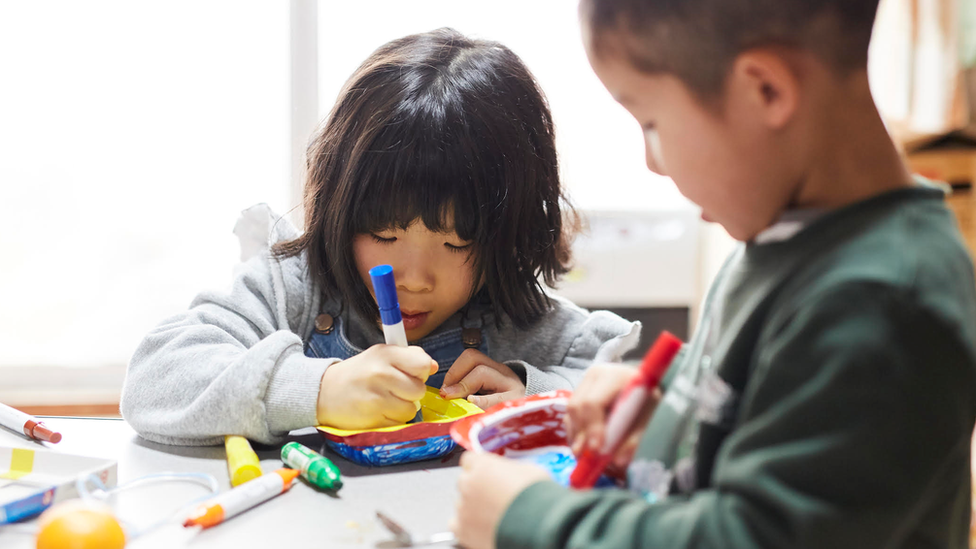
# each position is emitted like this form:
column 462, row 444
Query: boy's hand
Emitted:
column 481, row 380
column 486, row 487
column 379, row 387
column 586, row 412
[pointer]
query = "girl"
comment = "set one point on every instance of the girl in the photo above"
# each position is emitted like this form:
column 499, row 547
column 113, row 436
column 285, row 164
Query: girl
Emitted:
column 438, row 158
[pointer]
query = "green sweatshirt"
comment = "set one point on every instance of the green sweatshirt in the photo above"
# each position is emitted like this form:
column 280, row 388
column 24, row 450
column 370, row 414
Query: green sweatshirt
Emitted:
column 827, row 400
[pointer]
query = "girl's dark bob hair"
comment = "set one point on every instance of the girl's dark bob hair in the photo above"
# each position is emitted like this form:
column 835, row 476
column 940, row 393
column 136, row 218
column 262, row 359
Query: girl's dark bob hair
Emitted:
column 431, row 125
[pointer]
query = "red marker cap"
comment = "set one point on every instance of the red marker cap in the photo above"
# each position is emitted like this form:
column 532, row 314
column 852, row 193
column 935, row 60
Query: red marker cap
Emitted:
column 40, row 432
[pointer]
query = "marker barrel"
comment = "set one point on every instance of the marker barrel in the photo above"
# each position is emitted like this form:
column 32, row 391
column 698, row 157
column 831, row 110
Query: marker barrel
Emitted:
column 313, row 466
column 18, row 421
column 395, row 334
column 242, row 463
column 237, row 500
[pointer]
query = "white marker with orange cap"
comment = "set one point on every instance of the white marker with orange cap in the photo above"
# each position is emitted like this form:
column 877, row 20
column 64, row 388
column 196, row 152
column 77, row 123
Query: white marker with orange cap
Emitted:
column 234, row 502
column 18, row 421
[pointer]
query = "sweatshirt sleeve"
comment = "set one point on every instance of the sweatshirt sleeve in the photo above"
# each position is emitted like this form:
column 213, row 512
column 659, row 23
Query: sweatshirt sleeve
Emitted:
column 556, row 351
column 232, row 364
column 858, row 418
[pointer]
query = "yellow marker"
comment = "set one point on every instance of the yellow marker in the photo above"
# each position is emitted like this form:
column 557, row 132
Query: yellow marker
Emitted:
column 242, row 463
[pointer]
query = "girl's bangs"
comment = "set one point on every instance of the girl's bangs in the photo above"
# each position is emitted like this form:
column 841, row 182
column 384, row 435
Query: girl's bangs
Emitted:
column 403, row 178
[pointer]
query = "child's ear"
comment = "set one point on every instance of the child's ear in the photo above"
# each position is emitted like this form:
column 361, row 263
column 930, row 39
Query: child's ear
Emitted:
column 767, row 85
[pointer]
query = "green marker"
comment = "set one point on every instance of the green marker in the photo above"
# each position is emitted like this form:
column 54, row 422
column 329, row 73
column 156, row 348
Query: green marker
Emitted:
column 313, row 466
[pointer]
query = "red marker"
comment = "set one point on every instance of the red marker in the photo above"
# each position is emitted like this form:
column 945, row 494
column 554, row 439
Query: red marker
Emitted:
column 18, row 421
column 590, row 464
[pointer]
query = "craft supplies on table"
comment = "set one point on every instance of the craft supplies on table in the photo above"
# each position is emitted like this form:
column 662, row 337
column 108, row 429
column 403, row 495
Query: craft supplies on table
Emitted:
column 529, row 429
column 242, row 463
column 237, row 500
column 31, row 480
column 26, row 425
column 317, row 469
column 407, row 443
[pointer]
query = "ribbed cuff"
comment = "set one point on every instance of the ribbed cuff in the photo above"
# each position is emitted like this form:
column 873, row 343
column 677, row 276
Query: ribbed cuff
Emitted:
column 293, row 392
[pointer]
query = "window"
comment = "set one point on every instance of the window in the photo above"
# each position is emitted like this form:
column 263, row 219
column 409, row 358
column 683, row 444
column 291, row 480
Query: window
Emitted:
column 602, row 173
column 131, row 136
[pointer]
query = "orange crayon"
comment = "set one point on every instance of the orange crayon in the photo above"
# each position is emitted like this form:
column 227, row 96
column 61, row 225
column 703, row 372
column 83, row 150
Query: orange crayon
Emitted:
column 235, row 501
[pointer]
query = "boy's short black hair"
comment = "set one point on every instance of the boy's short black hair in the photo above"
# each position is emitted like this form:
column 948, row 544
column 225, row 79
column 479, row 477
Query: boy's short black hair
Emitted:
column 697, row 40
column 437, row 126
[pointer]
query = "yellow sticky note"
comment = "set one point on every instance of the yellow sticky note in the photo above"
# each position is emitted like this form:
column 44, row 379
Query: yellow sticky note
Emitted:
column 21, row 464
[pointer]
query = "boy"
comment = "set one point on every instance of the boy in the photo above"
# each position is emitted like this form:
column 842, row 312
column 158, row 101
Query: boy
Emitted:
column 828, row 396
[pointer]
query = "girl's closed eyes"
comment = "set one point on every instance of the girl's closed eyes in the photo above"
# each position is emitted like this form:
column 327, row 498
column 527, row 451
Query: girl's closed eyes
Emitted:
column 456, row 248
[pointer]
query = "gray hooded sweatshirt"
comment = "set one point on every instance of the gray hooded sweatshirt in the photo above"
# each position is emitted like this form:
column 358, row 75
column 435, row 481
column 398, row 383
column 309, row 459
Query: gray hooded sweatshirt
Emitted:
column 234, row 363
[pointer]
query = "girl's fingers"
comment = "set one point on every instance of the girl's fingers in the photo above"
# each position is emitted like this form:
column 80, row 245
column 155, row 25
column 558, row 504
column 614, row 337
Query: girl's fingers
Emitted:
column 487, row 401
column 400, row 386
column 468, row 361
column 412, row 361
column 481, row 378
column 396, row 409
column 588, row 408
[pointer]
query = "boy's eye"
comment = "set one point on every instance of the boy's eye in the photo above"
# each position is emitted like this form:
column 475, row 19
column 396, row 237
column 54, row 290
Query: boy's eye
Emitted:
column 381, row 239
column 456, row 248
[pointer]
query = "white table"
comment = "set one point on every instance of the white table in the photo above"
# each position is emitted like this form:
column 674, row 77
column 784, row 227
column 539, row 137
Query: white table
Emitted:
column 419, row 495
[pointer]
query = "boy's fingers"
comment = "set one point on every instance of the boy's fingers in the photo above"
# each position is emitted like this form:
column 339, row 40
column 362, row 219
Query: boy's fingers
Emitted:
column 590, row 419
column 588, row 408
column 578, row 441
column 594, row 435
column 626, row 452
column 576, row 417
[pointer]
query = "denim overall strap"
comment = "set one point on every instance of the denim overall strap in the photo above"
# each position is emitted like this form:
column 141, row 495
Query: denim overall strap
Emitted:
column 330, row 341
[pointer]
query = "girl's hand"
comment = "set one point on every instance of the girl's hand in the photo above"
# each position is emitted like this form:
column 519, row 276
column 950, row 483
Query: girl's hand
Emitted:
column 586, row 412
column 380, row 387
column 481, row 380
column 487, row 486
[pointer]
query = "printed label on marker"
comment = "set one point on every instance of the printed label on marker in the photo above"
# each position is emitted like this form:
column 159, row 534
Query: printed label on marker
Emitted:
column 296, row 459
column 249, row 494
column 623, row 415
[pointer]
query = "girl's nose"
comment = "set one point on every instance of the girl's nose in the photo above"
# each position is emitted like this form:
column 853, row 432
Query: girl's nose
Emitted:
column 414, row 275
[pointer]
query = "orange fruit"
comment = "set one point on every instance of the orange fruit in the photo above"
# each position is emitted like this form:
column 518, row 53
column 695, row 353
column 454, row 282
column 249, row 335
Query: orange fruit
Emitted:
column 76, row 524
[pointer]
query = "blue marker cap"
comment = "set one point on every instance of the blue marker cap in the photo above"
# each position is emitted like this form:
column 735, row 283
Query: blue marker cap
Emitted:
column 386, row 296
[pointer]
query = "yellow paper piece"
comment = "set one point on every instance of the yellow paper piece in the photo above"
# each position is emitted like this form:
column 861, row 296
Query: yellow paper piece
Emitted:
column 21, row 464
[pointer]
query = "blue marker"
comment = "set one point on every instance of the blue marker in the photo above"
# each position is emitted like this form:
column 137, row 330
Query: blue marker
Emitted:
column 386, row 297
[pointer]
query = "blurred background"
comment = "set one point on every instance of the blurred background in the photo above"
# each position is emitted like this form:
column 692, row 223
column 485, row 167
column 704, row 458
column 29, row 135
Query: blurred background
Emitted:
column 133, row 134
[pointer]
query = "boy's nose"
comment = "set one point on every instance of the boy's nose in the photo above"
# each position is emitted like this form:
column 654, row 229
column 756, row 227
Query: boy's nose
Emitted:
column 652, row 154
